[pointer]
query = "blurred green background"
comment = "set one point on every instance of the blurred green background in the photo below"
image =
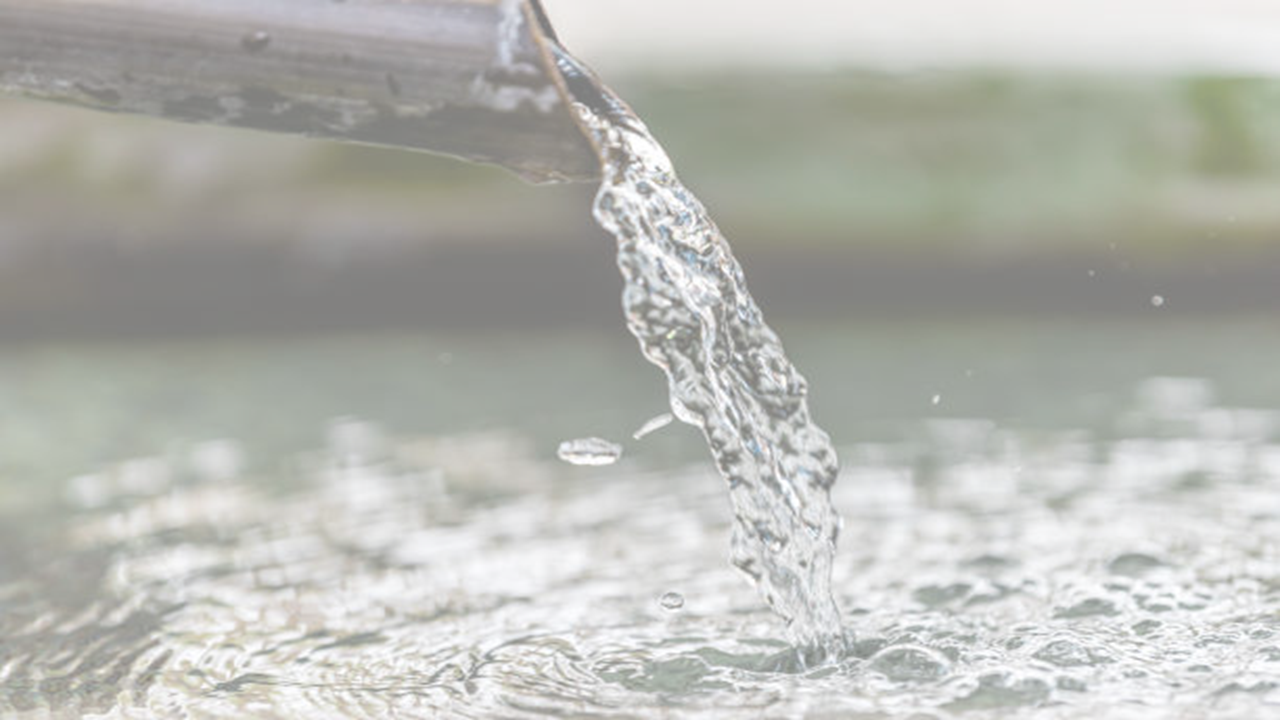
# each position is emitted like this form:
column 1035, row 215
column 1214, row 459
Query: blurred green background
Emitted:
column 845, row 193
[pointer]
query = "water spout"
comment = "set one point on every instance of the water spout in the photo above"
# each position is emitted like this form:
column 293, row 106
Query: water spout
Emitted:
column 468, row 78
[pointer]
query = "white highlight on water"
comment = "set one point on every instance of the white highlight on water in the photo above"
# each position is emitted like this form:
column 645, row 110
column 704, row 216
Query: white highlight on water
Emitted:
column 591, row 451
column 686, row 301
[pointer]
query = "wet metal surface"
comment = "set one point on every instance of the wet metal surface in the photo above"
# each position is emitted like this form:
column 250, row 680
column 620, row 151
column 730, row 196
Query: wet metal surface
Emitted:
column 461, row 77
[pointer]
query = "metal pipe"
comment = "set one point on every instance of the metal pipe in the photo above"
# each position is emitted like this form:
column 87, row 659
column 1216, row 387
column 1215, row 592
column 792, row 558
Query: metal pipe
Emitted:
column 470, row 78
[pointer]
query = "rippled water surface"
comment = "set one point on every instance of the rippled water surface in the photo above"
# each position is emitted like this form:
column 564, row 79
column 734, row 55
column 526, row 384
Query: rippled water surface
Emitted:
column 1105, row 544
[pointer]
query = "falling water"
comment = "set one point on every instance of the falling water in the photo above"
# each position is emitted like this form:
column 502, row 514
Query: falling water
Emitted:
column 686, row 301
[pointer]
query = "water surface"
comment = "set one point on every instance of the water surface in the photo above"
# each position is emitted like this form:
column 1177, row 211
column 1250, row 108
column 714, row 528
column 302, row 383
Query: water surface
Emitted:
column 1085, row 525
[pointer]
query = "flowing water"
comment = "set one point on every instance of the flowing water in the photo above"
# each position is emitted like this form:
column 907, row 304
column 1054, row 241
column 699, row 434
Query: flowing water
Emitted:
column 686, row 301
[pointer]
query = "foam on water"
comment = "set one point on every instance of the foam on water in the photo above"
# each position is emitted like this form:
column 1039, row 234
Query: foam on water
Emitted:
column 686, row 301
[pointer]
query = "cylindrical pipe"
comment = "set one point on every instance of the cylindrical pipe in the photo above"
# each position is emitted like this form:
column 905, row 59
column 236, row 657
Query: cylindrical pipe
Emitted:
column 468, row 78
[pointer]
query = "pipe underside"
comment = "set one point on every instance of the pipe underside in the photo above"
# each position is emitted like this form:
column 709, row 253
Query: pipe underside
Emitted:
column 467, row 78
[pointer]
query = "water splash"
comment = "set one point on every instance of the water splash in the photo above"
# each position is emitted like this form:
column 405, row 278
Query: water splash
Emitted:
column 686, row 301
column 653, row 426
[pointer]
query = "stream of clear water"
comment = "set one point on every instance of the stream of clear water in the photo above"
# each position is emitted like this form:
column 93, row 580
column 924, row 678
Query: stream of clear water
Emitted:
column 686, row 301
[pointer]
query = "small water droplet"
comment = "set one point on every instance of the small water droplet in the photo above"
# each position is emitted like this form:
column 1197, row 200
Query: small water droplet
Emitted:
column 937, row 400
column 256, row 41
column 671, row 601
column 654, row 425
column 1157, row 301
column 589, row 451
column 1093, row 273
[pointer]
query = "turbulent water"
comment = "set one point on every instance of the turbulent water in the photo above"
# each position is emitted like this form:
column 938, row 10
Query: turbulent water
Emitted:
column 686, row 301
column 1125, row 572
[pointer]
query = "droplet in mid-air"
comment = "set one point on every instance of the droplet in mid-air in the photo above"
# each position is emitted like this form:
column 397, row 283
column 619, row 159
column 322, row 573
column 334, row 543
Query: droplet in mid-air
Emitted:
column 937, row 400
column 589, row 451
column 256, row 41
column 1157, row 301
column 654, row 425
column 671, row 601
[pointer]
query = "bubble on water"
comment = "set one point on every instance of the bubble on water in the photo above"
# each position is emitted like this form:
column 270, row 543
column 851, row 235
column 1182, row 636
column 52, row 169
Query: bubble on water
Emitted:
column 653, row 426
column 1157, row 301
column 1146, row 627
column 1065, row 652
column 1134, row 565
column 144, row 476
column 89, row 491
column 592, row 451
column 1175, row 397
column 217, row 460
column 1004, row 690
column 1088, row 608
column 1071, row 684
column 908, row 663
column 256, row 41
column 671, row 601
column 353, row 441
column 934, row 596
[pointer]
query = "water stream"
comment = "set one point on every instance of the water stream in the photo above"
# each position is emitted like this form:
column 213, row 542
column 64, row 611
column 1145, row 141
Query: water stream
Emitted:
column 686, row 301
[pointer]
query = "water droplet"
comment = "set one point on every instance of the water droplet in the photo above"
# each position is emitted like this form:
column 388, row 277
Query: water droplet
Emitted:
column 1157, row 301
column 256, row 41
column 654, row 425
column 937, row 400
column 1093, row 273
column 671, row 601
column 589, row 451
